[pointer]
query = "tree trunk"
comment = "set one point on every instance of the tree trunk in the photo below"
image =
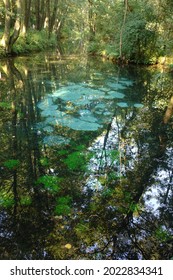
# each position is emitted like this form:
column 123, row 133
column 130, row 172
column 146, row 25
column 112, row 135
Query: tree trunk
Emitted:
column 37, row 14
column 169, row 112
column 17, row 26
column 53, row 17
column 26, row 12
column 47, row 16
column 8, row 40
column 122, row 28
column 91, row 20
column 6, row 36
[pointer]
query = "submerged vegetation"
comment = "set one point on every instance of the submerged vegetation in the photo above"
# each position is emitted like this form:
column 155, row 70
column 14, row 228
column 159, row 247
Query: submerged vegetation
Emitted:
column 86, row 159
column 86, row 144
column 128, row 31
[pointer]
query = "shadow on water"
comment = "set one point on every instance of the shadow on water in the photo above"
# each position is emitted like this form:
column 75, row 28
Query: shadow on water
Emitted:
column 85, row 160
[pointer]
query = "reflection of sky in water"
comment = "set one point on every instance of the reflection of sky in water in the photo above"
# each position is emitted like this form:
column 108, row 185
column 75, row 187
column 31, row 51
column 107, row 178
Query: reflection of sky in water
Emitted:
column 86, row 106
column 152, row 196
column 102, row 156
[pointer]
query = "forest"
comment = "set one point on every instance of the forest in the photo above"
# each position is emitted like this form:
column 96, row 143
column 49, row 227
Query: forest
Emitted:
column 86, row 130
column 138, row 31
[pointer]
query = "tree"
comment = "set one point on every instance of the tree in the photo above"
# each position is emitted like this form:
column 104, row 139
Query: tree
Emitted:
column 26, row 14
column 9, row 39
column 122, row 27
column 6, row 36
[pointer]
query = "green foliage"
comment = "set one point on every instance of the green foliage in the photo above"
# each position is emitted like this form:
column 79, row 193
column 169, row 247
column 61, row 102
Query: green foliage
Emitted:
column 81, row 228
column 6, row 199
column 114, row 155
column 110, row 51
column 5, row 105
column 80, row 147
column 105, row 49
column 127, row 197
column 94, row 47
column 34, row 41
column 63, row 205
column 139, row 40
column 2, row 52
column 76, row 161
column 107, row 193
column 162, row 234
column 62, row 152
column 6, row 203
column 113, row 176
column 170, row 67
column 25, row 200
column 50, row 183
column 142, row 40
column 44, row 161
column 134, row 207
column 12, row 163
column 145, row 26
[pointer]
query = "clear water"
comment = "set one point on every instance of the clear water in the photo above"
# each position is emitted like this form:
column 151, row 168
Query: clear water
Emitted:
column 85, row 159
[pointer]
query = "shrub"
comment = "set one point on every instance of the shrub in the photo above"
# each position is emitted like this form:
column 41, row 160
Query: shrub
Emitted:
column 34, row 41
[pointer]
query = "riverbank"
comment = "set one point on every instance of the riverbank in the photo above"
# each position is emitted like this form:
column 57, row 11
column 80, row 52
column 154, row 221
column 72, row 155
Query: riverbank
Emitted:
column 109, row 52
column 36, row 41
column 33, row 41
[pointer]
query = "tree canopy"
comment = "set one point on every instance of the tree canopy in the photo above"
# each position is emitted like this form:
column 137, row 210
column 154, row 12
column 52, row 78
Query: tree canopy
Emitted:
column 139, row 31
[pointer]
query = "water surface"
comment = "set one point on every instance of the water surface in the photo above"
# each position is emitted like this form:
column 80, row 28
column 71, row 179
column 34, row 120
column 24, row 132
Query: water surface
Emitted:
column 85, row 160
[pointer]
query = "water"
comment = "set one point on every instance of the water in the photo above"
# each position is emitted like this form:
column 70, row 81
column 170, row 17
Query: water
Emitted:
column 85, row 160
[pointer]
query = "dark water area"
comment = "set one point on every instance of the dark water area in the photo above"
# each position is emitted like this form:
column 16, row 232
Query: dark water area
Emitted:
column 85, row 160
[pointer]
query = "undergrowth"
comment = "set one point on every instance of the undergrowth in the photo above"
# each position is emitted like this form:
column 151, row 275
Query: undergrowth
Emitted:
column 33, row 41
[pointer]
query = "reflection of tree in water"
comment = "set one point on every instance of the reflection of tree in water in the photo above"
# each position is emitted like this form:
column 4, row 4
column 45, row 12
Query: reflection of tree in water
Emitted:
column 25, row 220
column 119, row 221
column 119, row 225
column 52, row 212
column 26, row 200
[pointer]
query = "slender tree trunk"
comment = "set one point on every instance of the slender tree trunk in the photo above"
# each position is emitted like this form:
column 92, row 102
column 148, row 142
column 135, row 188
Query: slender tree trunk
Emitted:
column 37, row 14
column 53, row 16
column 17, row 26
column 169, row 111
column 122, row 28
column 8, row 40
column 6, row 36
column 91, row 20
column 26, row 12
column 47, row 16
column 43, row 12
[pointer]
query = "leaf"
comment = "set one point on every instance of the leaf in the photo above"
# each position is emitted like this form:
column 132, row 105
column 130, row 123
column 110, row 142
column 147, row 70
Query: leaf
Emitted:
column 68, row 246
